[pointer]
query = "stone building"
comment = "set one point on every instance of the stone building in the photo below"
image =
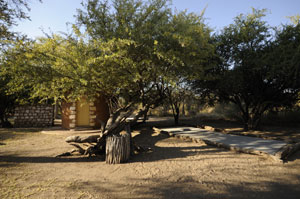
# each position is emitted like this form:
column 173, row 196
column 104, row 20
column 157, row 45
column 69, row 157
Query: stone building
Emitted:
column 84, row 114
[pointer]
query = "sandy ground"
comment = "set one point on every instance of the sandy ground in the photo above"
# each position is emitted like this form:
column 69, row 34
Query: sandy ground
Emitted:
column 175, row 169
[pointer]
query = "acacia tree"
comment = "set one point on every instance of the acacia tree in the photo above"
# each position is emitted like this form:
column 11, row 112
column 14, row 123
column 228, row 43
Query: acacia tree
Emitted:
column 176, row 95
column 166, row 46
column 130, row 53
column 256, row 70
column 143, row 24
column 190, row 41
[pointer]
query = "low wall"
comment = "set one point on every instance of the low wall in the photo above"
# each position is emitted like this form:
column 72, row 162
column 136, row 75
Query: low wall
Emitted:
column 33, row 116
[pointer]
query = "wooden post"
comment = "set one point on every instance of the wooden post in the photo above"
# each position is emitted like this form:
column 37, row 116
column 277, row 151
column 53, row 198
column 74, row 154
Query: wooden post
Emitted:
column 118, row 148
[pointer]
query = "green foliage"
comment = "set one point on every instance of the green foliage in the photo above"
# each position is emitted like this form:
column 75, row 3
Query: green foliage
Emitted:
column 7, row 103
column 176, row 95
column 67, row 68
column 131, row 52
column 295, row 19
column 256, row 70
column 125, row 19
column 10, row 12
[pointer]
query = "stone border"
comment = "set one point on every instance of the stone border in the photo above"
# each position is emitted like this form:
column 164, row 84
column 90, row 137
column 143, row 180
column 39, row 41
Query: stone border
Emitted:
column 281, row 155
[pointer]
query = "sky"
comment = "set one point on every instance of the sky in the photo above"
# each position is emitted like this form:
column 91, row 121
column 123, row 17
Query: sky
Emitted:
column 52, row 16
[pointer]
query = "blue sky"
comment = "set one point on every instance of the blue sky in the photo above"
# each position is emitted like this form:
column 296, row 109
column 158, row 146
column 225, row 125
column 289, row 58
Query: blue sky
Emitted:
column 53, row 15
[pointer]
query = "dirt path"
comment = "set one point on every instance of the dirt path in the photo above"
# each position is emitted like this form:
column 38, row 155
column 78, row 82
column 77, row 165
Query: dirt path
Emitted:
column 175, row 169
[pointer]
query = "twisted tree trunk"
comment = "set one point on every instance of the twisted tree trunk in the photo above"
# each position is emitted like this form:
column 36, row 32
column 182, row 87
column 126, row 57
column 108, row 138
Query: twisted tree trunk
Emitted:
column 114, row 140
column 118, row 148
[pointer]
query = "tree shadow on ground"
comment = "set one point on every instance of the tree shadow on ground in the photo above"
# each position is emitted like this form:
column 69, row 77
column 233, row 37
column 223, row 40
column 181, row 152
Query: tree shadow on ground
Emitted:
column 8, row 159
column 148, row 139
column 6, row 134
column 189, row 187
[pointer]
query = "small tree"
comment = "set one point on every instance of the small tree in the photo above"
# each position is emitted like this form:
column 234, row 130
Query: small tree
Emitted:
column 176, row 96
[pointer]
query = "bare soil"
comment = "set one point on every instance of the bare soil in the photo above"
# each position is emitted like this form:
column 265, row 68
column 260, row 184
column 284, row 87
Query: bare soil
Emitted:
column 172, row 169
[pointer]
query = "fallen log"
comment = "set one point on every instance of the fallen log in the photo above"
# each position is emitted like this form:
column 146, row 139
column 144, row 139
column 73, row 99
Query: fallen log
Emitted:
column 83, row 139
column 86, row 145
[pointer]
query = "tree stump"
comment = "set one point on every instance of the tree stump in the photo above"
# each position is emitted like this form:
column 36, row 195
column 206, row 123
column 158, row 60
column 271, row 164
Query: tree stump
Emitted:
column 118, row 148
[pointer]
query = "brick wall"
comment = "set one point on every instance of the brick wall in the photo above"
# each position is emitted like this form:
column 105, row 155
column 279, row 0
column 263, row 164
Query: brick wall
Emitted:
column 33, row 116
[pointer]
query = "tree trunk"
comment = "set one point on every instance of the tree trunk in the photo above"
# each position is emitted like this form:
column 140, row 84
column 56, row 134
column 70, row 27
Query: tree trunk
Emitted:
column 246, row 126
column 145, row 115
column 246, row 121
column 251, row 122
column 176, row 116
column 255, row 121
column 1, row 122
column 118, row 148
column 4, row 123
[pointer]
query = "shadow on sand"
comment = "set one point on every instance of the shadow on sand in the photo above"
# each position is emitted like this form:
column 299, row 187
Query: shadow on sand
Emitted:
column 147, row 138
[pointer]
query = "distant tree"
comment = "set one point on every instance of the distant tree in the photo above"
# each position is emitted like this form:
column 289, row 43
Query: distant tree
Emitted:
column 256, row 71
column 188, row 39
column 176, row 96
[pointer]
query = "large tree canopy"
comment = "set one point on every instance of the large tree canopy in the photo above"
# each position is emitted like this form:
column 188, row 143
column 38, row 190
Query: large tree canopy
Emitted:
column 130, row 51
column 257, row 70
column 166, row 45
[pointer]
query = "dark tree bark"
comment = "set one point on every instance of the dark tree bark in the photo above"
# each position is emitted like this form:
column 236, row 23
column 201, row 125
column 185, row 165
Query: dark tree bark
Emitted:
column 176, row 116
column 118, row 148
column 145, row 115
column 252, row 119
column 176, row 112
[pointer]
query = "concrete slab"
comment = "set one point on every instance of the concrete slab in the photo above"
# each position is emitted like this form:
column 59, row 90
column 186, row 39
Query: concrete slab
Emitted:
column 235, row 142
